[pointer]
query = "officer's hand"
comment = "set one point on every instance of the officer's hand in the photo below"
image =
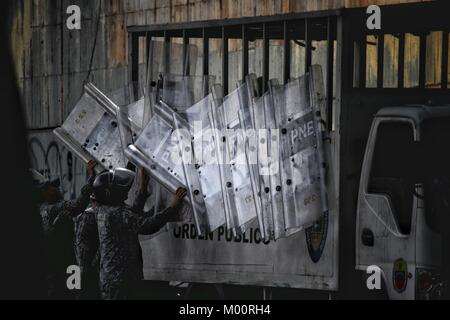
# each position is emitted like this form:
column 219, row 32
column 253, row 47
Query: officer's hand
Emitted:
column 90, row 168
column 144, row 180
column 178, row 197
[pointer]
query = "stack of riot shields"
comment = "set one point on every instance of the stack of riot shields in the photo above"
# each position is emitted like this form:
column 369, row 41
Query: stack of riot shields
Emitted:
column 247, row 157
column 92, row 130
column 160, row 147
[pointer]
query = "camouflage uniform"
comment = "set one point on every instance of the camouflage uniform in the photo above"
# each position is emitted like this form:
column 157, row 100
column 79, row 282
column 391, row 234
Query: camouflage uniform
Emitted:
column 120, row 251
column 87, row 255
column 57, row 224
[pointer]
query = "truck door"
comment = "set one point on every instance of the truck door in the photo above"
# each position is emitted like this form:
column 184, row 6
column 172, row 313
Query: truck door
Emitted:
column 388, row 206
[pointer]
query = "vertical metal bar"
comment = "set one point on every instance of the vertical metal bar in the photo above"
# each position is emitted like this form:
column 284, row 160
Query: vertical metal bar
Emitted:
column 186, row 57
column 342, row 143
column 133, row 58
column 166, row 52
column 286, row 52
column 148, row 59
column 362, row 61
column 244, row 52
column 224, row 61
column 307, row 46
column 205, row 52
column 401, row 60
column 330, row 73
column 422, row 60
column 444, row 74
column 148, row 40
column 380, row 59
column 265, row 58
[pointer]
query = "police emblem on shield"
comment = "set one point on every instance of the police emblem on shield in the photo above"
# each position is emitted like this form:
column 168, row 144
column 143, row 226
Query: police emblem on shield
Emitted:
column 316, row 237
column 400, row 275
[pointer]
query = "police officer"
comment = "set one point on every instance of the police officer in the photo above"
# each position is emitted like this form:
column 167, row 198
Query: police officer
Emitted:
column 87, row 254
column 57, row 224
column 87, row 243
column 118, row 228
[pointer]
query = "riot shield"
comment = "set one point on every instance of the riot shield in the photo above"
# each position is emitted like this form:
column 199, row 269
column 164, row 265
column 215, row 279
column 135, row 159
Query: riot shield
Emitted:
column 157, row 150
column 166, row 58
column 252, row 135
column 241, row 204
column 216, row 122
column 200, row 167
column 91, row 130
column 130, row 100
column 272, row 167
column 299, row 155
column 182, row 92
column 317, row 97
column 170, row 58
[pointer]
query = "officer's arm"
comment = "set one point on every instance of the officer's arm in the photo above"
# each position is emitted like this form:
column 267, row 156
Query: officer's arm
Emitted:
column 77, row 206
column 152, row 224
column 142, row 196
column 148, row 225
column 139, row 202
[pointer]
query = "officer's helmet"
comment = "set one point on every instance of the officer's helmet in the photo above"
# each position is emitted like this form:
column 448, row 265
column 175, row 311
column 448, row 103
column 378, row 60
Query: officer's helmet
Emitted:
column 112, row 187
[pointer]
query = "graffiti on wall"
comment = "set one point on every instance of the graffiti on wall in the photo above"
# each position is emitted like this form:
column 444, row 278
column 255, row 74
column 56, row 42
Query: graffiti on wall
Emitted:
column 54, row 160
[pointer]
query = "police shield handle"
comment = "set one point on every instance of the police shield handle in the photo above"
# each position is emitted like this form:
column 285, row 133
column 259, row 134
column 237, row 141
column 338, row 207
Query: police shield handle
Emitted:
column 176, row 203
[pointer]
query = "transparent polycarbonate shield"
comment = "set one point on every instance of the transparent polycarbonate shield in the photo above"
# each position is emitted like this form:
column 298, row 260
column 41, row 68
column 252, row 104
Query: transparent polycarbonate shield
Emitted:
column 91, row 130
column 317, row 97
column 247, row 120
column 300, row 169
column 208, row 167
column 182, row 92
column 237, row 181
column 165, row 58
column 156, row 143
column 157, row 150
column 170, row 58
column 282, row 116
column 272, row 167
column 200, row 163
column 104, row 143
column 126, row 94
column 209, row 174
column 154, row 150
column 217, row 122
column 188, row 163
column 256, row 150
column 131, row 99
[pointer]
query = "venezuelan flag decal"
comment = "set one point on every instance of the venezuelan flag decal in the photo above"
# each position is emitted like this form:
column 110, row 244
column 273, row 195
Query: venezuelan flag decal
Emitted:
column 400, row 275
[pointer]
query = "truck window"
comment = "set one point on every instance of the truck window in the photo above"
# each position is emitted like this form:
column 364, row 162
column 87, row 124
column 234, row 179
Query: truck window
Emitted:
column 393, row 169
column 435, row 170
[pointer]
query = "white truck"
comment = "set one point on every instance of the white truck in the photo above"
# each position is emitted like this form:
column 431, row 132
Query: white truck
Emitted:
column 399, row 222
column 400, row 215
